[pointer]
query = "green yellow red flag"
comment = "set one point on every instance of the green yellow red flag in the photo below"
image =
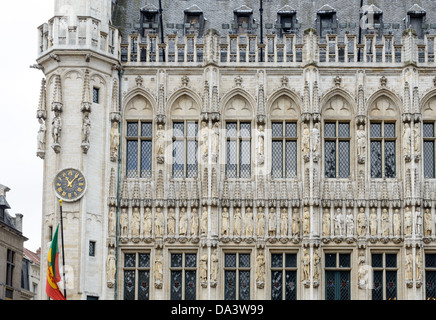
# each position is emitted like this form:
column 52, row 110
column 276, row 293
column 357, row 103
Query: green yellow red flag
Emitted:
column 53, row 275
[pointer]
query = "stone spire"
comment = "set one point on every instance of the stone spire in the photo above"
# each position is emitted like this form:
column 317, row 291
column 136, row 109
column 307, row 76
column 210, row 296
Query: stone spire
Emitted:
column 86, row 93
column 57, row 95
column 42, row 107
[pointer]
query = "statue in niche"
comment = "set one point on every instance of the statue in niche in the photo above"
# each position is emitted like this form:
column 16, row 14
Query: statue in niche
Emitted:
column 225, row 222
column 136, row 222
column 418, row 229
column 417, row 139
column 397, row 223
column 194, row 222
column 306, row 139
column 159, row 223
column 56, row 128
column 409, row 265
column 339, row 220
column 260, row 222
column 326, row 223
column 86, row 128
column 260, row 271
column 362, row 273
column 183, row 227
column 315, row 138
column 203, row 268
column 115, row 140
column 248, row 222
column 284, row 223
column 111, row 267
column 408, row 222
column 306, row 221
column 160, row 141
column 427, row 223
column 418, row 265
column 361, row 222
column 272, row 223
column 406, row 139
column 147, row 223
column 295, row 222
column 214, row 266
column 216, row 138
column 41, row 135
column 373, row 222
column 260, row 143
column 124, row 221
column 385, row 222
column 171, row 222
column 112, row 221
column 361, row 143
column 350, row 223
column 204, row 138
column 158, row 269
column 316, row 265
column 306, row 265
column 237, row 223
column 204, row 221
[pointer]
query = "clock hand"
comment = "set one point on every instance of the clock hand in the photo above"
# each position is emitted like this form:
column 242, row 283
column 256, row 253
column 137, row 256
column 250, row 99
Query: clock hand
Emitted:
column 69, row 183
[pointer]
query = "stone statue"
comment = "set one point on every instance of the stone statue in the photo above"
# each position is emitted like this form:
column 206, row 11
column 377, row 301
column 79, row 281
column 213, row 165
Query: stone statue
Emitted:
column 295, row 223
column 214, row 266
column 124, row 221
column 225, row 222
column 373, row 222
column 216, row 138
column 112, row 221
column 171, row 222
column 406, row 139
column 397, row 223
column 418, row 230
column 261, row 141
column 158, row 268
column 203, row 268
column 203, row 223
column 284, row 223
column 272, row 223
column 260, row 222
column 306, row 139
column 56, row 127
column 86, row 128
column 316, row 265
column 204, row 138
column 147, row 223
column 418, row 265
column 41, row 135
column 350, row 223
column 306, row 221
column 361, row 222
column 159, row 223
column 315, row 138
column 427, row 223
column 408, row 222
column 160, row 141
column 183, row 222
column 409, row 265
column 361, row 142
column 237, row 223
column 306, row 265
column 385, row 222
column 115, row 139
column 260, row 271
column 339, row 220
column 248, row 222
column 417, row 138
column 111, row 267
column 194, row 222
column 326, row 223
column 136, row 222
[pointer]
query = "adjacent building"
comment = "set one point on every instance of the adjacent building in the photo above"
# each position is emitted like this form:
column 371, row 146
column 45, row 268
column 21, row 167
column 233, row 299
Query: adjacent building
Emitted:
column 240, row 149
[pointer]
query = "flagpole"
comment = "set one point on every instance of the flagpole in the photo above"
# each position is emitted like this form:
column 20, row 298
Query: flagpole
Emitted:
column 63, row 254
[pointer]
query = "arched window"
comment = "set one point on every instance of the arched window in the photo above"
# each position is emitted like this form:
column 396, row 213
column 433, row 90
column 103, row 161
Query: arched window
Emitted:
column 429, row 138
column 185, row 131
column 139, row 137
column 383, row 138
column 284, row 138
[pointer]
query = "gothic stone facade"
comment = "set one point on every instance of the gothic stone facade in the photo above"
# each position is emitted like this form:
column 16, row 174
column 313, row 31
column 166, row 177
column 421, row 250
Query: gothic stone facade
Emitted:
column 238, row 153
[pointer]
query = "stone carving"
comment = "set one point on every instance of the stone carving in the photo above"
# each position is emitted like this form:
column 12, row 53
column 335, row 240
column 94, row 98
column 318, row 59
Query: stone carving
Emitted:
column 214, row 268
column 350, row 223
column 418, row 265
column 373, row 223
column 158, row 270
column 260, row 144
column 418, row 230
column 248, row 221
column 295, row 223
column 397, row 223
column 406, row 139
column 339, row 222
column 136, row 223
column 306, row 139
column 41, row 136
column 385, row 222
column 407, row 222
column 159, row 223
column 237, row 223
column 260, row 270
column 160, row 143
column 315, row 138
column 204, row 138
column 124, row 221
column 225, row 222
column 326, row 223
column 171, row 222
column 316, row 265
column 284, row 223
column 147, row 223
column 110, row 268
column 363, row 273
column 204, row 221
column 306, row 221
column 417, row 139
column 56, row 128
column 361, row 144
column 183, row 222
column 194, row 222
column 427, row 223
column 112, row 221
column 215, row 138
column 409, row 265
column 272, row 223
column 115, row 140
column 203, row 270
column 260, row 222
column 86, row 128
column 306, row 265
column 361, row 222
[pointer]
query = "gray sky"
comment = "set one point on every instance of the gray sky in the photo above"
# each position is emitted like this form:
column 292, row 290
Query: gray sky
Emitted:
column 20, row 168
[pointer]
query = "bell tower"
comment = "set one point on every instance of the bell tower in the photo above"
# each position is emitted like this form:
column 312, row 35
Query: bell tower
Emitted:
column 78, row 54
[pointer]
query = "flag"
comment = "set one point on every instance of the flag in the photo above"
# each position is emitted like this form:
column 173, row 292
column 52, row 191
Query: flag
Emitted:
column 53, row 275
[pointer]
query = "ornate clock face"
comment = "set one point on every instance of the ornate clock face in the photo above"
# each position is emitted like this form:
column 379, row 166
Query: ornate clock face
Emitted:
column 70, row 185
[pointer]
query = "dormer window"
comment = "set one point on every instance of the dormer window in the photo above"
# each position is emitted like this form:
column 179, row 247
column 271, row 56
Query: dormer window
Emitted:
column 287, row 19
column 415, row 19
column 149, row 20
column 374, row 20
column 326, row 20
column 194, row 20
column 243, row 19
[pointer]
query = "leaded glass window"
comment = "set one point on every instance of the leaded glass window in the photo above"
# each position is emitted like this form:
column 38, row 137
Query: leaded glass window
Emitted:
column 337, row 276
column 185, row 147
column 237, row 276
column 384, row 286
column 283, row 276
column 284, row 149
column 139, row 149
column 429, row 149
column 183, row 276
column 136, row 276
column 430, row 276
column 238, row 149
column 383, row 149
column 337, row 149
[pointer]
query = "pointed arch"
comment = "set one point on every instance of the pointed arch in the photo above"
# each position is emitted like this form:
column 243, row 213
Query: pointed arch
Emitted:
column 139, row 103
column 428, row 104
column 395, row 106
column 284, row 102
column 238, row 103
column 344, row 103
column 184, row 102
